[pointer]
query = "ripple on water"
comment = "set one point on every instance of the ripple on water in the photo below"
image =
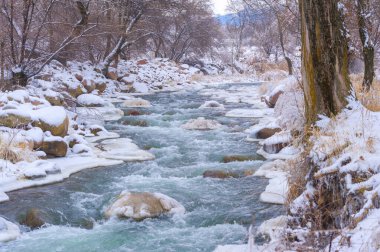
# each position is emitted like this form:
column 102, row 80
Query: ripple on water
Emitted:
column 218, row 211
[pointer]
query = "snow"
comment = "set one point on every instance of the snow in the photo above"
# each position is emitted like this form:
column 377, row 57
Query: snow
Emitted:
column 121, row 149
column 101, row 113
column 136, row 103
column 201, row 123
column 141, row 205
column 140, row 87
column 170, row 204
column 248, row 113
column 276, row 190
column 69, row 165
column 90, row 100
column 53, row 116
column 8, row 231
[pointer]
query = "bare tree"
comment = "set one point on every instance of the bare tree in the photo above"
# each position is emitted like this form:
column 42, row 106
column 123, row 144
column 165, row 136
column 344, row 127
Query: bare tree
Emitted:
column 26, row 25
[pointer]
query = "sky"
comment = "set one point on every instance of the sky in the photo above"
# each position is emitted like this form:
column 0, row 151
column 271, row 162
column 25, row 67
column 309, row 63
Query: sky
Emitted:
column 220, row 6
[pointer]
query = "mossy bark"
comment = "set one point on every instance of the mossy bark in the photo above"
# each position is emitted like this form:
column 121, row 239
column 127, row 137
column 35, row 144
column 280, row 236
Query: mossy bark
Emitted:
column 324, row 58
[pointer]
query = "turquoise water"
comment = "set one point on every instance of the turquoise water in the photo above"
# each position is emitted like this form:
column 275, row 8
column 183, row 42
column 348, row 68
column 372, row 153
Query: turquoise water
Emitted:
column 217, row 211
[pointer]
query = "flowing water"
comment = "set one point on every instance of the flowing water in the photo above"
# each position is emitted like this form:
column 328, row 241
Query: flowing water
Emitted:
column 217, row 211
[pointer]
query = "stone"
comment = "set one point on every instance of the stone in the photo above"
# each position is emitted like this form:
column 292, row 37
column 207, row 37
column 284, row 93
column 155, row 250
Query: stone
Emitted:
column 112, row 75
column 267, row 132
column 201, row 124
column 79, row 77
column 238, row 158
column 55, row 147
column 55, row 100
column 75, row 92
column 142, row 205
column 142, row 62
column 34, row 218
column 220, row 174
column 272, row 100
column 12, row 118
column 101, row 86
column 89, row 85
column 56, row 130
column 133, row 113
column 139, row 123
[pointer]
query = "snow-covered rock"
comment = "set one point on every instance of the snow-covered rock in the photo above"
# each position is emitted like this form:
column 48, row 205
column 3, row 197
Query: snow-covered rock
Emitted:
column 109, row 113
column 212, row 105
column 136, row 103
column 201, row 124
column 8, row 230
column 140, row 87
column 53, row 119
column 90, row 100
column 139, row 206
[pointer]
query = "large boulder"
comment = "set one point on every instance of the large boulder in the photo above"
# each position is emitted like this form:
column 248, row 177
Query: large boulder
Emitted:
column 201, row 124
column 53, row 119
column 14, row 118
column 54, row 146
column 142, row 205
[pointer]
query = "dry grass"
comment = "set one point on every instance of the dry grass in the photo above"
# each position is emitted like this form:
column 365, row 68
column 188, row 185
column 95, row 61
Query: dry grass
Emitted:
column 263, row 66
column 15, row 151
column 371, row 98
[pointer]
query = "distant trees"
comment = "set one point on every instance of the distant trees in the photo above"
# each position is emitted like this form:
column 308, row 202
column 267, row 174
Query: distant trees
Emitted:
column 284, row 15
column 34, row 32
column 181, row 28
column 30, row 28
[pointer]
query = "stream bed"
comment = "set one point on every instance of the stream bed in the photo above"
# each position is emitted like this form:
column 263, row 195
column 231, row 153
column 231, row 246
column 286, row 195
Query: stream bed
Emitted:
column 217, row 211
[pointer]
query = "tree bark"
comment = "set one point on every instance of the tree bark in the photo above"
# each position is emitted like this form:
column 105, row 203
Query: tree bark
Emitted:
column 325, row 56
column 363, row 15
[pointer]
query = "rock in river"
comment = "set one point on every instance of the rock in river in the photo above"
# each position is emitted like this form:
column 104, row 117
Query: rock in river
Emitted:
column 142, row 205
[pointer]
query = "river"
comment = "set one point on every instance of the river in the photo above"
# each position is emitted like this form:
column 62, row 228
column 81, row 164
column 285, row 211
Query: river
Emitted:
column 217, row 211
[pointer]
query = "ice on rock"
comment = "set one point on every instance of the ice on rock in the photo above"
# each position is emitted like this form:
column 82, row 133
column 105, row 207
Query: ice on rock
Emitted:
column 248, row 113
column 140, row 87
column 201, row 123
column 90, row 100
column 142, row 205
column 212, row 105
column 122, row 149
column 136, row 103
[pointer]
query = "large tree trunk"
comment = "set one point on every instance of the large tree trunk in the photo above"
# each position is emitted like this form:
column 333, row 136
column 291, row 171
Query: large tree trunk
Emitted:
column 324, row 58
column 363, row 15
